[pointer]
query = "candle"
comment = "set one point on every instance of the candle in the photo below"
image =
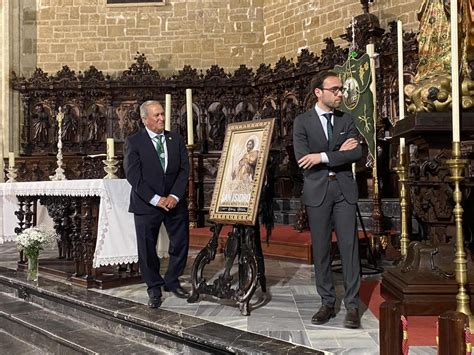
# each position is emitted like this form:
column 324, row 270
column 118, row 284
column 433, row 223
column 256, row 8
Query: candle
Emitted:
column 189, row 115
column 370, row 49
column 110, row 148
column 401, row 95
column 59, row 116
column 168, row 112
column 11, row 160
column 401, row 102
column 455, row 70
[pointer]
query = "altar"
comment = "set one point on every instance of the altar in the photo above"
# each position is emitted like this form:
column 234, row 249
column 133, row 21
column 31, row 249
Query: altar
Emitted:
column 97, row 233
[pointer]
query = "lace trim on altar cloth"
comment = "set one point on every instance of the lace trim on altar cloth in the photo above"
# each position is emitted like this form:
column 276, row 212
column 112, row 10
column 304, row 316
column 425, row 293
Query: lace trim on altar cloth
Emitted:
column 116, row 260
column 102, row 230
column 7, row 238
column 94, row 187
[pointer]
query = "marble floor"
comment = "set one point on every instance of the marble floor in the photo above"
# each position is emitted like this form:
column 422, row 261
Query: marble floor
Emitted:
column 283, row 312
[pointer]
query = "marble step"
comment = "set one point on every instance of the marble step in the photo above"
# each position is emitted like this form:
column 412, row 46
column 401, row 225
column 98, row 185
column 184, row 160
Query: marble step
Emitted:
column 158, row 328
column 52, row 332
column 13, row 345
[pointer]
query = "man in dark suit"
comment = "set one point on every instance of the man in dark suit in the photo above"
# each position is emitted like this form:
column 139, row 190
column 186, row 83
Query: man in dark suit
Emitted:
column 156, row 166
column 325, row 145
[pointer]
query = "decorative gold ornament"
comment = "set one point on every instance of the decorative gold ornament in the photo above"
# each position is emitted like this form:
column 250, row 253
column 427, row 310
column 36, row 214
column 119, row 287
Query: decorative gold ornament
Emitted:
column 431, row 91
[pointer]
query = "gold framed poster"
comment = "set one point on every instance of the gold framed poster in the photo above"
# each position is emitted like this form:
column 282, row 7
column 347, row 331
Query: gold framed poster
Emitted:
column 241, row 172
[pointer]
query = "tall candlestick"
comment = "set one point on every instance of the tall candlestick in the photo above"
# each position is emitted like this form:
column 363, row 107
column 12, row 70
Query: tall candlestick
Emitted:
column 189, row 115
column 11, row 160
column 168, row 112
column 401, row 95
column 455, row 71
column 110, row 148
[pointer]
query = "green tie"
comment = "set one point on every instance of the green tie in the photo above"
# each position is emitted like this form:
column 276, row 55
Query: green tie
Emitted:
column 159, row 149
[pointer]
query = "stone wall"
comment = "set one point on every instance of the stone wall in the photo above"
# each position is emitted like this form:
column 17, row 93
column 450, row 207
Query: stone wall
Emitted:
column 199, row 33
column 292, row 25
column 81, row 33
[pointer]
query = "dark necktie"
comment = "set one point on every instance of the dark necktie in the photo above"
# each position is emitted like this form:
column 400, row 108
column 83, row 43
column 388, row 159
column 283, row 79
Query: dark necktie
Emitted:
column 328, row 117
column 158, row 139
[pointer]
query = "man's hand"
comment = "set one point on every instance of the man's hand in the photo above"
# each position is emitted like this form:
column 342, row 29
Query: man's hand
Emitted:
column 309, row 160
column 171, row 202
column 162, row 203
column 349, row 144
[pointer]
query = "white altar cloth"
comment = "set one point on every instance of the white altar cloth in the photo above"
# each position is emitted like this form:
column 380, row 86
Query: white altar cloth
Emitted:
column 116, row 241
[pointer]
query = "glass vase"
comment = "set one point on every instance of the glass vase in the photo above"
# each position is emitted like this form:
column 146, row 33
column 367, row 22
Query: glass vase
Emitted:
column 32, row 274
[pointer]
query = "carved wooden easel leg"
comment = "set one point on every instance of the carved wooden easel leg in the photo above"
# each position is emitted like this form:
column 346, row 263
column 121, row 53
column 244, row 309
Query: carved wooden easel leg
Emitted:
column 244, row 242
column 260, row 260
column 205, row 256
column 248, row 270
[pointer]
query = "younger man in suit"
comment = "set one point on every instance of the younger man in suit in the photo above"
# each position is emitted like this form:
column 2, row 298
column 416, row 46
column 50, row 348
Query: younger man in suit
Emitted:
column 156, row 165
column 325, row 146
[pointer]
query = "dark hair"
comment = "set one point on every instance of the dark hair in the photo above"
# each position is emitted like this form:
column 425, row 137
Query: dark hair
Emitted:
column 318, row 79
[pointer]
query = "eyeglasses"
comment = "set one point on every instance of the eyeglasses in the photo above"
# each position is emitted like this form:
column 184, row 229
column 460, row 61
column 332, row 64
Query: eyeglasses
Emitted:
column 335, row 90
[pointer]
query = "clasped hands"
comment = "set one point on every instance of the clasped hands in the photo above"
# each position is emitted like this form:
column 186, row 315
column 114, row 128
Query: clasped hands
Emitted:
column 312, row 159
column 167, row 203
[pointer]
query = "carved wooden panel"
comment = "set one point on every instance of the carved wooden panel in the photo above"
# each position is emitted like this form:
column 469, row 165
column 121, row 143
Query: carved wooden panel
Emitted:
column 97, row 106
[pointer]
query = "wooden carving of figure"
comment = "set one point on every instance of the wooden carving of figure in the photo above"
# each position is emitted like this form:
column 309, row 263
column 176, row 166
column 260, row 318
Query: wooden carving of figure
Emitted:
column 95, row 124
column 431, row 90
column 268, row 110
column 40, row 125
column 218, row 124
column 245, row 114
column 289, row 114
column 69, row 125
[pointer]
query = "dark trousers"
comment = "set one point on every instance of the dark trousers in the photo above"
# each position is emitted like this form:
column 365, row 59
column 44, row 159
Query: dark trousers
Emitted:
column 147, row 228
column 335, row 210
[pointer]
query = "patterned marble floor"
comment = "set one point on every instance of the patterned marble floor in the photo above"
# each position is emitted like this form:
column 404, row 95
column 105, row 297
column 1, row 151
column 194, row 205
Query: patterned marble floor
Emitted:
column 284, row 312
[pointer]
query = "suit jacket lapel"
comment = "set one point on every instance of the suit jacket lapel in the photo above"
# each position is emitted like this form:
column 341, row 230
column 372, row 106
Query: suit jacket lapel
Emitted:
column 315, row 126
column 171, row 148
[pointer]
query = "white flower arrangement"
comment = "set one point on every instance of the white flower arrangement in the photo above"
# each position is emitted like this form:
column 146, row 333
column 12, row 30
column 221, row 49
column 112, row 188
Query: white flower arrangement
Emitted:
column 35, row 239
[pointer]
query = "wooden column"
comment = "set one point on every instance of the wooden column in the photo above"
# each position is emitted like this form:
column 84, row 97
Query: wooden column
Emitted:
column 451, row 333
column 390, row 328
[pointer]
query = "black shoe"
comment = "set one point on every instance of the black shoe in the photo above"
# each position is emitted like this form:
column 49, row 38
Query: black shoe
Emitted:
column 352, row 319
column 324, row 314
column 154, row 302
column 178, row 292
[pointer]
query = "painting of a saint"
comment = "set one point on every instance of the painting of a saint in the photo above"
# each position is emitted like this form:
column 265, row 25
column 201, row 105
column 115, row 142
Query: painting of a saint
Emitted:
column 245, row 169
column 241, row 172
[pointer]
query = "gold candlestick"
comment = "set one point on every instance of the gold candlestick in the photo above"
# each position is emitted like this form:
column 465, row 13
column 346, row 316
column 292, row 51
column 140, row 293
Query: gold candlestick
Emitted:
column 457, row 167
column 402, row 178
column 110, row 167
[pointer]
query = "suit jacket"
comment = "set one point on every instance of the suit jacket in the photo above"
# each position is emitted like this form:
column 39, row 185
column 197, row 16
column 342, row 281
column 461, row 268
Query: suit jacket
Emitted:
column 309, row 137
column 144, row 172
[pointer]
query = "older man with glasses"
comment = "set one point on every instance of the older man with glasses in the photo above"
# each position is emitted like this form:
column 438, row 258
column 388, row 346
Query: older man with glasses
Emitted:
column 325, row 147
